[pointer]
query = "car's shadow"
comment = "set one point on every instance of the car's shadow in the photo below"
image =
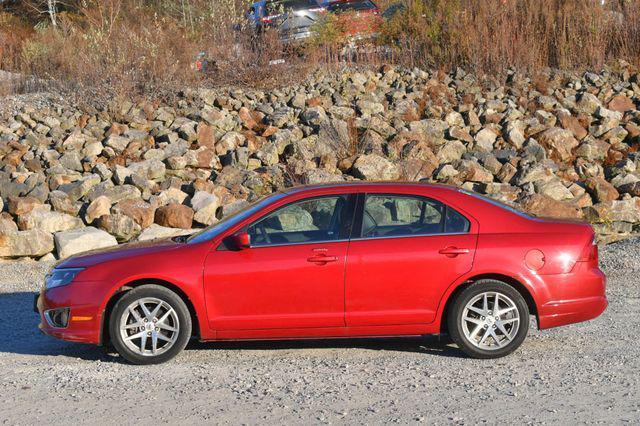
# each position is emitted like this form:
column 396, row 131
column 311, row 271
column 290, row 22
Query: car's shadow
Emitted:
column 20, row 335
column 435, row 345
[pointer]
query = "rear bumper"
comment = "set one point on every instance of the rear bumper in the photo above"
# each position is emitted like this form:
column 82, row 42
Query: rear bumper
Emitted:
column 577, row 296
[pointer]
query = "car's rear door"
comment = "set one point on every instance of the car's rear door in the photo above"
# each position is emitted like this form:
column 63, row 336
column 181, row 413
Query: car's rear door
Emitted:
column 291, row 277
column 406, row 252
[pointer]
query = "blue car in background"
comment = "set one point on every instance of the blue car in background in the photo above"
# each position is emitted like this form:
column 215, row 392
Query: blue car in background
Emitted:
column 293, row 19
column 256, row 12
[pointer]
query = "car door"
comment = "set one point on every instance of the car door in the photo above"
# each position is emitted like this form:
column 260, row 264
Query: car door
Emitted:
column 291, row 276
column 408, row 250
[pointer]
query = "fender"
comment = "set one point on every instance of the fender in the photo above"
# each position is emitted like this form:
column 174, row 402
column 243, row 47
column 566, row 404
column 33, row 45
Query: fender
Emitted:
column 526, row 281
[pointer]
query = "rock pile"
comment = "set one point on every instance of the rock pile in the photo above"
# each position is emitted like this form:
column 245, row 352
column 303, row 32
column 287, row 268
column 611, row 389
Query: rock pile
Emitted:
column 560, row 145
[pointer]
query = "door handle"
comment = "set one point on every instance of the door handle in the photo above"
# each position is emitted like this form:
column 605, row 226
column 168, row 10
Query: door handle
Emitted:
column 453, row 251
column 323, row 259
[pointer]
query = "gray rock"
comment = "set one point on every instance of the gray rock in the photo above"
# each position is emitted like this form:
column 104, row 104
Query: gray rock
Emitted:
column 205, row 206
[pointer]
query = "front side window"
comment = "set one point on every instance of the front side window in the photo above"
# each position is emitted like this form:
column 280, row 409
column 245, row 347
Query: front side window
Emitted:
column 306, row 221
column 400, row 215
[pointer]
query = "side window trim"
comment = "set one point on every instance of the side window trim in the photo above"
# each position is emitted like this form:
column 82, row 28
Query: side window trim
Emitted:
column 346, row 227
column 359, row 219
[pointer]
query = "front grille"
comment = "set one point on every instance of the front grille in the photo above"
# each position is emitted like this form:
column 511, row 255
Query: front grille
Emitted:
column 58, row 318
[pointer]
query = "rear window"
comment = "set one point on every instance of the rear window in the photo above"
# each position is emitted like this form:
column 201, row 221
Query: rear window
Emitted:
column 276, row 7
column 351, row 6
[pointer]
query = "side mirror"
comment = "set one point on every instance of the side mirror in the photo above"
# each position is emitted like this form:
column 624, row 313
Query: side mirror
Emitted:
column 239, row 241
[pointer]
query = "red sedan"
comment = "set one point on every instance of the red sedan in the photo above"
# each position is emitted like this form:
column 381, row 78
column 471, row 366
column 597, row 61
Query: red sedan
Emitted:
column 345, row 260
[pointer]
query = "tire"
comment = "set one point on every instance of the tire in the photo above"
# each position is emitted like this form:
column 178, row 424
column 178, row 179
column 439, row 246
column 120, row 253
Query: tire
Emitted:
column 497, row 336
column 150, row 325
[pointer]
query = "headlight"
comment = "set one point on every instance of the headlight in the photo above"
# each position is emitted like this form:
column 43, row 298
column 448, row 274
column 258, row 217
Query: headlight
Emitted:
column 60, row 277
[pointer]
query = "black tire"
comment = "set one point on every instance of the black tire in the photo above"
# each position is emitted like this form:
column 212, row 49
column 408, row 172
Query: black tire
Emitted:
column 181, row 317
column 455, row 322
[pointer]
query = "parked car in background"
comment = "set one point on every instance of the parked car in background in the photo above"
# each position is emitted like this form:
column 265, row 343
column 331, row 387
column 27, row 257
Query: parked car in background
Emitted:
column 255, row 13
column 357, row 18
column 336, row 260
column 294, row 20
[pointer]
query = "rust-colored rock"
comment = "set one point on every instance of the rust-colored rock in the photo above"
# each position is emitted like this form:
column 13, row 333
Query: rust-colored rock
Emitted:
column 174, row 216
column 22, row 205
column 621, row 103
column 205, row 135
column 139, row 210
column 601, row 190
column 545, row 206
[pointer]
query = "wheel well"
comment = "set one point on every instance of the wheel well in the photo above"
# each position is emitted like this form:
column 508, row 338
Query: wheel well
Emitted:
column 133, row 284
column 524, row 292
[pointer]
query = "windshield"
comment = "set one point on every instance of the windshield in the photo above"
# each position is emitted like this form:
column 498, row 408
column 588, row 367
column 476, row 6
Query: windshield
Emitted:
column 233, row 219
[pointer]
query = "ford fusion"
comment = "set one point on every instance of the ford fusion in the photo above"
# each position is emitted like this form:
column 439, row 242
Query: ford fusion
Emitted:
column 334, row 261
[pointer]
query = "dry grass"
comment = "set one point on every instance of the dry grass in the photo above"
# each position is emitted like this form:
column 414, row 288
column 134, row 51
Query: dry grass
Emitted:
column 124, row 47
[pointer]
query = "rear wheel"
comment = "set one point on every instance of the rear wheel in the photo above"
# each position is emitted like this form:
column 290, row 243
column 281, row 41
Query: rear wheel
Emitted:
column 150, row 325
column 489, row 319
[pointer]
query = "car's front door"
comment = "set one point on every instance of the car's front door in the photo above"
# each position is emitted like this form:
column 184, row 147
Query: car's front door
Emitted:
column 407, row 253
column 292, row 276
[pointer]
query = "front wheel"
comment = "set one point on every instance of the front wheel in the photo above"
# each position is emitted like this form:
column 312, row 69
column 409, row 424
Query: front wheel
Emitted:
column 489, row 319
column 150, row 325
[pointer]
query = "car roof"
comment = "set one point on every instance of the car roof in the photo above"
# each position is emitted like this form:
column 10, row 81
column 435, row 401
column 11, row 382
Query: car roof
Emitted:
column 370, row 184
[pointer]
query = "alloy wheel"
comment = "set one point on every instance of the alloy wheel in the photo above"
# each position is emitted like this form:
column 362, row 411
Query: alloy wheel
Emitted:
column 149, row 326
column 490, row 320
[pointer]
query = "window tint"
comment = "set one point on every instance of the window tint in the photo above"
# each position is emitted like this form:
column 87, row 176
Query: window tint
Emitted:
column 456, row 223
column 311, row 220
column 400, row 215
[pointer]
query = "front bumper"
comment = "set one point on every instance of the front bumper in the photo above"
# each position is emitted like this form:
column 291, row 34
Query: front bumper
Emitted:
column 85, row 314
column 578, row 296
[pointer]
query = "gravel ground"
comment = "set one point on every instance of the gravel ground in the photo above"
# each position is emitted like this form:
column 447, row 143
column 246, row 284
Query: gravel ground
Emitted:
column 584, row 373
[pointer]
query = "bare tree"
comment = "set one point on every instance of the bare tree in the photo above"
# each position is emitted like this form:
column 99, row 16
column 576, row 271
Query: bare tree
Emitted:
column 52, row 7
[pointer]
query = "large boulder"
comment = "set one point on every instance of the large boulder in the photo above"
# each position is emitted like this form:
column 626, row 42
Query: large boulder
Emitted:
column 98, row 207
column 77, row 241
column 120, row 226
column 615, row 211
column 545, row 206
column 375, row 167
column 33, row 243
column 22, row 205
column 601, row 190
column 205, row 206
column 155, row 232
column 559, row 142
column 174, row 216
column 49, row 221
column 139, row 210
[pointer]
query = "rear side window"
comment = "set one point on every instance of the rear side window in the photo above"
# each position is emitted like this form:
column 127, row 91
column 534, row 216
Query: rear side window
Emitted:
column 455, row 223
column 402, row 215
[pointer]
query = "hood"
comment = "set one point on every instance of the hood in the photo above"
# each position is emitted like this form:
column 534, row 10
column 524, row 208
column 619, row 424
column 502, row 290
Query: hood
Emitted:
column 94, row 257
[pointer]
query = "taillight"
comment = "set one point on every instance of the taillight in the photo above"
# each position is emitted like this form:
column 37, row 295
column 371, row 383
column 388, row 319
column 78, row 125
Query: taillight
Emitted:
column 269, row 19
column 590, row 252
